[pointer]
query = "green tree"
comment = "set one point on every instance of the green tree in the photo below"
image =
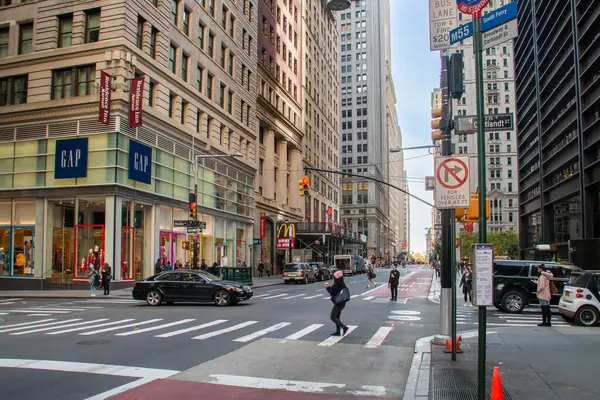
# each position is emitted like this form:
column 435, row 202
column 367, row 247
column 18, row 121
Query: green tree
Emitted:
column 505, row 243
column 468, row 239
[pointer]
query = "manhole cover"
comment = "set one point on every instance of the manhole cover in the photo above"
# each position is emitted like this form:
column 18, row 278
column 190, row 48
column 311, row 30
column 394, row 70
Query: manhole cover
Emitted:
column 404, row 318
column 93, row 342
column 406, row 312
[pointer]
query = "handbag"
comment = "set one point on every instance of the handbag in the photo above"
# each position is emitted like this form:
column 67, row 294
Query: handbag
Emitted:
column 553, row 288
column 342, row 297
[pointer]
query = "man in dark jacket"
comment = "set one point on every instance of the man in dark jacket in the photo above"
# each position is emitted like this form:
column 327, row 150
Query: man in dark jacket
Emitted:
column 393, row 282
column 336, row 311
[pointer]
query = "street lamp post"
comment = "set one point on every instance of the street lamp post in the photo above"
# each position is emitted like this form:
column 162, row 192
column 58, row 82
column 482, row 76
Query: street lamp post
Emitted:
column 399, row 149
column 198, row 157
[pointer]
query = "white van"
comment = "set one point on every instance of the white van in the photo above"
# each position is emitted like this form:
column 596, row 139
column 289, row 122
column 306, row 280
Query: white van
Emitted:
column 345, row 263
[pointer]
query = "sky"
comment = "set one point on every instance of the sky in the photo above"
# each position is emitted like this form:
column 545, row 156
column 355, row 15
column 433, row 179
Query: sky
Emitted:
column 416, row 72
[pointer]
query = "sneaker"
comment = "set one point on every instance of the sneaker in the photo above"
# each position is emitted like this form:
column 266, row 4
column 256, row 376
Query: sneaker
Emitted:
column 335, row 334
column 345, row 330
column 93, row 294
column 542, row 324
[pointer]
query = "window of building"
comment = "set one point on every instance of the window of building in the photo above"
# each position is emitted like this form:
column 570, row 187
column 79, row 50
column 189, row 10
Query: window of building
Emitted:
column 171, row 105
column 508, row 148
column 73, row 82
column 186, row 22
column 139, row 40
column 510, row 186
column 199, row 78
column 224, row 18
column 232, row 26
column 13, row 90
column 230, row 102
column 201, row 29
column 153, row 41
column 25, row 38
column 172, row 58
column 174, row 6
column 65, row 30
column 231, row 63
column 151, row 93
column 211, row 7
column 223, row 52
column 92, row 26
column 209, row 86
column 184, row 109
column 4, row 34
column 184, row 67
column 211, row 43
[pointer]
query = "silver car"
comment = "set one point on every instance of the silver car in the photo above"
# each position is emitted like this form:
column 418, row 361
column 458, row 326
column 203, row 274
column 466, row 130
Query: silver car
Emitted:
column 298, row 272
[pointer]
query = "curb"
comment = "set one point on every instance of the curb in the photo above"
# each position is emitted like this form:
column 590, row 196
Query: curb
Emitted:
column 434, row 290
column 62, row 297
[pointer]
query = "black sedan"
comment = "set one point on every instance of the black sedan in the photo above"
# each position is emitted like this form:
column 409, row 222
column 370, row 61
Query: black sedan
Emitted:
column 189, row 286
column 322, row 273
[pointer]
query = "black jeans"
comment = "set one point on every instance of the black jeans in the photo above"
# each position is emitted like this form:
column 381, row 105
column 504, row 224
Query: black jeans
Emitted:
column 336, row 312
column 394, row 290
column 467, row 293
column 106, row 286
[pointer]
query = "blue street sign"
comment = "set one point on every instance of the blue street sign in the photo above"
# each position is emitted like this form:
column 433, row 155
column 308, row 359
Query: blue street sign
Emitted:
column 499, row 16
column 257, row 242
column 461, row 33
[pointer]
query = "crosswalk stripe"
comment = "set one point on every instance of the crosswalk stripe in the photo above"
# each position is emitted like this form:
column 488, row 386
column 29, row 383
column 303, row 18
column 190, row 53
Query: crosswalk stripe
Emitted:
column 50, row 309
column 262, row 332
column 292, row 297
column 531, row 321
column 28, row 323
column 191, row 329
column 7, row 302
column 154, row 328
column 114, row 328
column 275, row 296
column 260, row 295
column 304, row 332
column 225, row 330
column 369, row 298
column 312, row 297
column 83, row 328
column 30, row 311
column 330, row 341
column 379, row 337
column 40, row 325
column 10, row 300
column 58, row 327
column 38, row 315
column 354, row 296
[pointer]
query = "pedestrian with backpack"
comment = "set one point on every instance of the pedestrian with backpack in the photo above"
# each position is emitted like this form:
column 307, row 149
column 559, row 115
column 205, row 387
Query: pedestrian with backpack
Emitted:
column 370, row 276
column 339, row 297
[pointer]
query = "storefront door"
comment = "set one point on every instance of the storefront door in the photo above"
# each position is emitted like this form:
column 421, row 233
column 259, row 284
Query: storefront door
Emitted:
column 127, row 241
column 16, row 250
column 170, row 247
column 89, row 248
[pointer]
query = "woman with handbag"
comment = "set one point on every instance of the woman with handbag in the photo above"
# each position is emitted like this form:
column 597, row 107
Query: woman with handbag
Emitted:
column 545, row 289
column 339, row 296
column 466, row 282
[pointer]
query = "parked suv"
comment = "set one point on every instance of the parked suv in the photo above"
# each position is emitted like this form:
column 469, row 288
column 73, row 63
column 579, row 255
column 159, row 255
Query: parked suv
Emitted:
column 581, row 298
column 298, row 272
column 515, row 283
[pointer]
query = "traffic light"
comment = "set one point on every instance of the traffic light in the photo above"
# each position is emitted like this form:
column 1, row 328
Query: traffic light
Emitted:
column 471, row 214
column 193, row 206
column 436, row 124
column 304, row 187
column 457, row 242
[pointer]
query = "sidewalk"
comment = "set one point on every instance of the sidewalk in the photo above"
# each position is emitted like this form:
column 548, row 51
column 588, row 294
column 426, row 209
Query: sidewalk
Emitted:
column 535, row 363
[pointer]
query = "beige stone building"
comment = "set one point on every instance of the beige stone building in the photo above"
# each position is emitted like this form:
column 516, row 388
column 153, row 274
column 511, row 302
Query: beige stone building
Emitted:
column 72, row 189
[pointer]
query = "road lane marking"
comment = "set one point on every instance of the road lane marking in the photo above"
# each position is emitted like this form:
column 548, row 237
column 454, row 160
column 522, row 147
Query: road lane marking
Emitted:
column 277, row 295
column 304, row 332
column 50, row 309
column 30, row 311
column 154, row 328
column 40, row 325
column 59, row 327
column 312, row 297
column 330, row 341
column 267, row 383
column 90, row 327
column 369, row 298
column 261, row 295
column 8, row 302
column 379, row 337
column 114, row 328
column 262, row 332
column 191, row 329
column 28, row 323
column 38, row 315
column 225, row 330
column 354, row 296
column 292, row 297
column 320, row 290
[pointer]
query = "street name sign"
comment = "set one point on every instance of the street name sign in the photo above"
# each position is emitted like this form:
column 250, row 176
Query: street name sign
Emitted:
column 194, row 230
column 452, row 188
column 438, row 227
column 461, row 33
column 499, row 16
column 483, row 275
column 429, row 183
column 471, row 6
column 500, row 34
column 493, row 122
column 189, row 223
column 443, row 17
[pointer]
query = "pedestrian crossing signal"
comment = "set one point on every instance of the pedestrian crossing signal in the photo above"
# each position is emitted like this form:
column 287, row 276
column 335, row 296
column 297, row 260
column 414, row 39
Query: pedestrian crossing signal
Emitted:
column 304, row 187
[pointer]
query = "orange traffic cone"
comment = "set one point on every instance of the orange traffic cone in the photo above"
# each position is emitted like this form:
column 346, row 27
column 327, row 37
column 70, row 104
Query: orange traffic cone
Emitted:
column 448, row 348
column 497, row 392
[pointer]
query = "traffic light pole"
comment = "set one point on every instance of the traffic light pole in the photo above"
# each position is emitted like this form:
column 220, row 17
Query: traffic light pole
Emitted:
column 195, row 241
column 478, row 50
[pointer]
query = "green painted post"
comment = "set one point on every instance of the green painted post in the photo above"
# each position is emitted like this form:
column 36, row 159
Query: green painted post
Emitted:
column 478, row 50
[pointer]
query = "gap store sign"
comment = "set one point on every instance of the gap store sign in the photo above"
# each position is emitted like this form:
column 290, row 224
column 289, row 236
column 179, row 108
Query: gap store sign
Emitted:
column 140, row 162
column 71, row 158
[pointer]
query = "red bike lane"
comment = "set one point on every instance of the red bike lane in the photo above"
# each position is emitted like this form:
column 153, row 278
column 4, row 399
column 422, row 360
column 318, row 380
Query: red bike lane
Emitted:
column 415, row 285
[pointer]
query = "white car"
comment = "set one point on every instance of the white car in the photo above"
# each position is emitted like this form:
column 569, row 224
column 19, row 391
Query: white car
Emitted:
column 581, row 298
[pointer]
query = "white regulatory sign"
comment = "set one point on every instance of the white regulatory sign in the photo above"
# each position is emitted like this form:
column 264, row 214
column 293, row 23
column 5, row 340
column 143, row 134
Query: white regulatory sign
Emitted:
column 442, row 19
column 500, row 34
column 452, row 189
column 483, row 275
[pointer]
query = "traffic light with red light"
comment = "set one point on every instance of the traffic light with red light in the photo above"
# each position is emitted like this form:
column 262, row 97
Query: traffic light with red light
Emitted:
column 304, row 187
column 193, row 206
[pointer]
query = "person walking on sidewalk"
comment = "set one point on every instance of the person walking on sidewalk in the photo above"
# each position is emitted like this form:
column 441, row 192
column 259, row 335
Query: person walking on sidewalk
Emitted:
column 544, row 294
column 393, row 282
column 336, row 310
column 93, row 278
column 466, row 282
column 370, row 276
column 106, row 278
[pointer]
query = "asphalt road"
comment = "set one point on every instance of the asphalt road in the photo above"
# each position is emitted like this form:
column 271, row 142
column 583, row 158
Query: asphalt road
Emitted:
column 94, row 348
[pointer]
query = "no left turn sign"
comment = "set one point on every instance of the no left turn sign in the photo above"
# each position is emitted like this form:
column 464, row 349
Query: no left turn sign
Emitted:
column 452, row 182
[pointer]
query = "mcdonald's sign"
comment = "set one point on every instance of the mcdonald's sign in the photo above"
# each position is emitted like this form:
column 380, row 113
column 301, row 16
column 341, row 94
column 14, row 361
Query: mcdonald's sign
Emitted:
column 286, row 231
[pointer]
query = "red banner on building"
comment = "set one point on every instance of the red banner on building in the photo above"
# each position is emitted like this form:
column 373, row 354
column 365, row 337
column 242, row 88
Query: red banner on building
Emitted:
column 136, row 98
column 104, row 98
column 262, row 225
